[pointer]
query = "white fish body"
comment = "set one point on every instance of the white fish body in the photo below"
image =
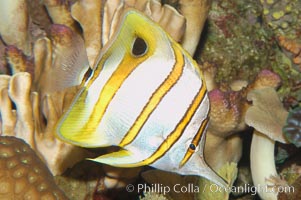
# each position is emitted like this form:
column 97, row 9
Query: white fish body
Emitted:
column 147, row 96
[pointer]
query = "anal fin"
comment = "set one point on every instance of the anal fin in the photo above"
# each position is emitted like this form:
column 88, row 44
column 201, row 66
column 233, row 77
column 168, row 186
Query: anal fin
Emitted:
column 122, row 158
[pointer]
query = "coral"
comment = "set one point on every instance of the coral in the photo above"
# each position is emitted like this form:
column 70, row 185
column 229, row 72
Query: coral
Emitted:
column 23, row 175
column 153, row 196
column 283, row 16
column 89, row 180
column 267, row 114
column 293, row 47
column 3, row 62
column 17, row 60
column 221, row 135
column 56, row 63
column 293, row 192
column 81, row 181
column 235, row 42
column 59, row 12
column 167, row 179
column 263, row 163
column 227, row 114
column 230, row 114
column 153, row 9
column 119, row 177
column 91, row 26
column 186, row 29
column 244, row 178
column 195, row 12
column 38, row 14
column 226, row 106
column 290, row 174
column 290, row 181
column 229, row 173
column 27, row 122
column 60, row 61
column 20, row 38
column 292, row 128
column 107, row 23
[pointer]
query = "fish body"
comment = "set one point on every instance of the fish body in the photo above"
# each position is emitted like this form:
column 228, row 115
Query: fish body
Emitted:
column 147, row 96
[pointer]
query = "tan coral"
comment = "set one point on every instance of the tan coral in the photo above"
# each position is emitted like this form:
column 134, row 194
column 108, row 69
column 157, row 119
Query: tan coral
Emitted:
column 195, row 12
column 38, row 14
column 153, row 9
column 59, row 12
column 8, row 119
column 17, row 60
column 3, row 62
column 23, row 175
column 222, row 143
column 26, row 123
column 166, row 14
column 105, row 25
column 227, row 105
column 19, row 35
column 267, row 116
column 265, row 78
column 263, row 164
column 59, row 64
column 119, row 177
column 209, row 72
column 19, row 93
column 63, row 155
column 4, row 80
column 91, row 25
column 60, row 61
column 231, row 105
column 267, row 113
column 229, row 116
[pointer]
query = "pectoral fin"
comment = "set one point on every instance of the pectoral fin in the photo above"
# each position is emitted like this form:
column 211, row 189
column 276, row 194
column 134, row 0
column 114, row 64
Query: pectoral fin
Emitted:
column 122, row 158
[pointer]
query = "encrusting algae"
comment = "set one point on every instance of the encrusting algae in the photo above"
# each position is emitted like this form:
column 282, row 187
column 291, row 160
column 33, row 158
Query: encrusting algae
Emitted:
column 247, row 50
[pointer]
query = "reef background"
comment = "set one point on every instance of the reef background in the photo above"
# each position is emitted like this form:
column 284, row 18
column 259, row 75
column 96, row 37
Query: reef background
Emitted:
column 240, row 39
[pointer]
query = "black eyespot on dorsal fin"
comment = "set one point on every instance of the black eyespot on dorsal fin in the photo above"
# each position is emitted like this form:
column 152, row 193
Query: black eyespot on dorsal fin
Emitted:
column 192, row 147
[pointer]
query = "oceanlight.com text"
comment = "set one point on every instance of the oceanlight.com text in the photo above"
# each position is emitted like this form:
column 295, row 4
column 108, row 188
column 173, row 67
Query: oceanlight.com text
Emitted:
column 251, row 189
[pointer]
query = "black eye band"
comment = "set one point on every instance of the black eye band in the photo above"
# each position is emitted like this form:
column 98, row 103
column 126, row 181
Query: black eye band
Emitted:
column 139, row 47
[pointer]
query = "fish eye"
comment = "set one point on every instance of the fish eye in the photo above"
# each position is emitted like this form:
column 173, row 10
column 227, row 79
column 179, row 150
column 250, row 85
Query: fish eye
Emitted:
column 139, row 47
column 192, row 147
